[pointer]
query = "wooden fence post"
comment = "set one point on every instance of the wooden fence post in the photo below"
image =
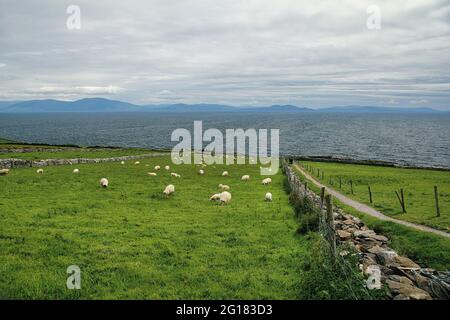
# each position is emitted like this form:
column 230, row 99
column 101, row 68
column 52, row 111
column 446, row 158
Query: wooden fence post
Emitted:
column 436, row 199
column 370, row 195
column 322, row 195
column 330, row 226
column 351, row 186
column 401, row 199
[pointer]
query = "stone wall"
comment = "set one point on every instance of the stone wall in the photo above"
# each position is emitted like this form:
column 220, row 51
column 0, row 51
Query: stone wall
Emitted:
column 20, row 163
column 405, row 279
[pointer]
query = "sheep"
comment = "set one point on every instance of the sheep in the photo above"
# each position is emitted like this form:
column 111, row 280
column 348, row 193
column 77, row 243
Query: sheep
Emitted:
column 4, row 172
column 176, row 175
column 225, row 173
column 215, row 197
column 76, row 171
column 152, row 174
column 268, row 196
column 122, row 162
column 201, row 172
column 157, row 167
column 267, row 181
column 137, row 162
column 167, row 167
column 40, row 171
column 169, row 190
column 225, row 197
column 245, row 177
column 224, row 187
column 104, row 182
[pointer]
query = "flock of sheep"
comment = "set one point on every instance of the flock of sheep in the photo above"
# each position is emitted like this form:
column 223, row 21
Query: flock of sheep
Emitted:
column 223, row 197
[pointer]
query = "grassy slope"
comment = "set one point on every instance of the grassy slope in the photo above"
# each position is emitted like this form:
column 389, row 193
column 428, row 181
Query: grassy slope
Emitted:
column 418, row 188
column 130, row 242
column 427, row 249
column 73, row 154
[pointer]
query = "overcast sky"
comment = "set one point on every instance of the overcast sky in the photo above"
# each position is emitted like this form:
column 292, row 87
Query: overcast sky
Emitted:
column 308, row 53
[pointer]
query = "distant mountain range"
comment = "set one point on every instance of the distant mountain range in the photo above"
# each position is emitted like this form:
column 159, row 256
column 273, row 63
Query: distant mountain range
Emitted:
column 106, row 105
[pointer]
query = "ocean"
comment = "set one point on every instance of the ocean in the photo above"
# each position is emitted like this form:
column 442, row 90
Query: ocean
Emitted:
column 412, row 139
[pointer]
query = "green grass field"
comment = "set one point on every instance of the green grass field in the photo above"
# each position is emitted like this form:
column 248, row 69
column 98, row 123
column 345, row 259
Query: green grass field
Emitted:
column 73, row 154
column 427, row 249
column 132, row 242
column 418, row 186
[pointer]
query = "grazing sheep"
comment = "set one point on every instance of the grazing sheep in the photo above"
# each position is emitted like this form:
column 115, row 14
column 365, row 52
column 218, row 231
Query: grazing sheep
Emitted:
column 157, row 167
column 225, row 173
column 225, row 197
column 245, row 177
column 224, row 187
column 267, row 181
column 137, row 162
column 201, row 172
column 167, row 167
column 104, row 182
column 40, row 171
column 215, row 197
column 176, row 175
column 4, row 172
column 169, row 190
column 152, row 174
column 122, row 162
column 76, row 171
column 268, row 196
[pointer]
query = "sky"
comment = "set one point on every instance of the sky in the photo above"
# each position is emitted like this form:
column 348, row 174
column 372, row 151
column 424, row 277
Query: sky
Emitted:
column 236, row 52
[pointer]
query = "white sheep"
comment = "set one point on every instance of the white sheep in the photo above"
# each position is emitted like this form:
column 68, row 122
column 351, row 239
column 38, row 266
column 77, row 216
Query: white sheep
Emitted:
column 169, row 190
column 245, row 177
column 137, row 162
column 224, row 187
column 267, row 181
column 40, row 171
column 157, row 167
column 167, row 167
column 225, row 173
column 201, row 172
column 122, row 162
column 76, row 171
column 225, row 197
column 215, row 197
column 268, row 196
column 104, row 182
column 152, row 174
column 176, row 175
column 4, row 172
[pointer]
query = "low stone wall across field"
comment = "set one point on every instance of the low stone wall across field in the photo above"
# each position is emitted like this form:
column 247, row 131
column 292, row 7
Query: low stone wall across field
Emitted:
column 20, row 163
column 405, row 279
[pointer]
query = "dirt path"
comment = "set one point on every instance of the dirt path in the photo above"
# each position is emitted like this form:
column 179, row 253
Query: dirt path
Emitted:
column 369, row 210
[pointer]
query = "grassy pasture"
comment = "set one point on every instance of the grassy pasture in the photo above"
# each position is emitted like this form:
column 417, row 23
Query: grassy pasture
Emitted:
column 418, row 186
column 132, row 242
column 429, row 250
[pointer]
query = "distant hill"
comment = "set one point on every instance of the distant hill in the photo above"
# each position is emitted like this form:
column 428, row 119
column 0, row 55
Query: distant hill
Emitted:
column 106, row 105
column 83, row 105
column 373, row 109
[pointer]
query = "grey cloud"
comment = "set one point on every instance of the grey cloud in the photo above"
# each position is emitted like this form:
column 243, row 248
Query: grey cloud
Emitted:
column 313, row 53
